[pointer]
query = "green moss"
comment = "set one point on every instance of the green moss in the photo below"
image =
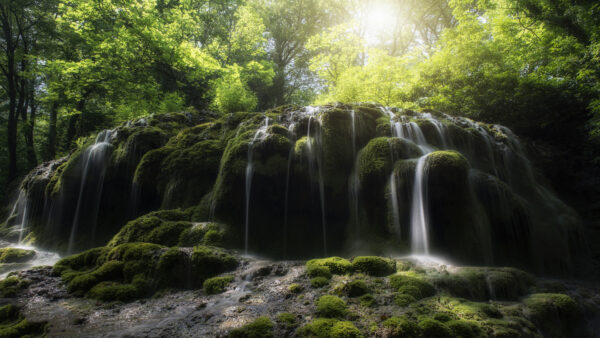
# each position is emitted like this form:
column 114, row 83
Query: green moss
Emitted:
column 403, row 300
column 464, row 328
column 343, row 329
column 331, row 307
column 319, row 282
column 320, row 328
column 367, row 300
column 12, row 285
column 318, row 271
column 375, row 159
column 216, row 285
column 262, row 327
column 554, row 314
column 295, row 288
column 374, row 266
column 402, row 328
column 211, row 261
column 336, row 265
column 12, row 324
column 160, row 227
column 287, row 320
column 356, row 288
column 424, row 288
column 133, row 270
column 471, row 310
column 14, row 255
column 443, row 317
column 434, row 329
column 114, row 291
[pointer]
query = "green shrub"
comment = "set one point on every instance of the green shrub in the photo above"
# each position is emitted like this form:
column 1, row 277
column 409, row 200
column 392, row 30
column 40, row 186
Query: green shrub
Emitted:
column 331, row 307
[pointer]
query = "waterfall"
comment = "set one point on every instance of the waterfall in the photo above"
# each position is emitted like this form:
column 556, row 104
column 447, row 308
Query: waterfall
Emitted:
column 260, row 133
column 287, row 183
column 354, row 184
column 394, row 205
column 94, row 167
column 418, row 217
column 19, row 213
column 315, row 156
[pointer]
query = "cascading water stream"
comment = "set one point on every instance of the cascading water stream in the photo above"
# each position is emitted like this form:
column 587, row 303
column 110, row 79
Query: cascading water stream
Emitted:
column 315, row 156
column 418, row 218
column 20, row 211
column 94, row 164
column 354, row 184
column 261, row 132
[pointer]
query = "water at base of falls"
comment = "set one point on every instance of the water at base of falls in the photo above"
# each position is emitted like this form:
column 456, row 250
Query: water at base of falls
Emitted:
column 41, row 258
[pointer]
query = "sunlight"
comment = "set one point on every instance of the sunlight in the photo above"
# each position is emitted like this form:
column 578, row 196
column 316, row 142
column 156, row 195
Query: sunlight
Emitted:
column 378, row 19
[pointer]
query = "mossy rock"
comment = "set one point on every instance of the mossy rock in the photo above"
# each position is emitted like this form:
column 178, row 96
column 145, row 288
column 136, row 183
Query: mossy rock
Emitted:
column 374, row 266
column 336, row 265
column 262, row 327
column 216, row 285
column 434, row 329
column 356, row 288
column 403, row 299
column 12, row 285
column 367, row 300
column 472, row 310
column 12, row 324
column 171, row 228
column 15, row 255
column 485, row 283
column 376, row 159
column 344, row 329
column 331, row 307
column 399, row 327
column 295, row 288
column 319, row 282
column 556, row 315
column 319, row 327
column 287, row 320
column 134, row 270
column 423, row 288
column 464, row 328
column 315, row 270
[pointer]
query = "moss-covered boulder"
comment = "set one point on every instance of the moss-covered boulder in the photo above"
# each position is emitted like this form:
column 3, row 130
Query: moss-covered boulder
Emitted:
column 12, row 324
column 262, row 327
column 556, row 315
column 374, row 266
column 331, row 307
column 336, row 265
column 133, row 270
column 15, row 255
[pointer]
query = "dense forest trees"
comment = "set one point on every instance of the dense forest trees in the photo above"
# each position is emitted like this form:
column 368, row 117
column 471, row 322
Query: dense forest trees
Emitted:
column 73, row 67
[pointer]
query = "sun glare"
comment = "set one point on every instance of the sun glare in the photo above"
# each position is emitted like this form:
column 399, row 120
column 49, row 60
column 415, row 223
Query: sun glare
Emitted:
column 378, row 19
